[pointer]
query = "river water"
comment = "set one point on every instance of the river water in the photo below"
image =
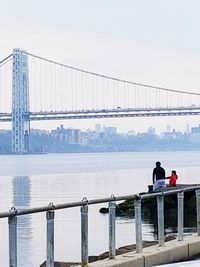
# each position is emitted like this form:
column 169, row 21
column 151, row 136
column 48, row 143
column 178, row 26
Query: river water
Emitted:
column 36, row 180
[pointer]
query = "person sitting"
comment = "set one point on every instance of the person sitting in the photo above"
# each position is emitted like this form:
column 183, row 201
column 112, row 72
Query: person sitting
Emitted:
column 172, row 178
column 158, row 177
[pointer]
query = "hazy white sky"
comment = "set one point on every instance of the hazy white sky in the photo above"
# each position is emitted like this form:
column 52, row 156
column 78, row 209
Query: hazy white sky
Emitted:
column 154, row 42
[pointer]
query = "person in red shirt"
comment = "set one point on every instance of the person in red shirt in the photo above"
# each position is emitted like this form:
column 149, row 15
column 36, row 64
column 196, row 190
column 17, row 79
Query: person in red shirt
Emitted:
column 172, row 178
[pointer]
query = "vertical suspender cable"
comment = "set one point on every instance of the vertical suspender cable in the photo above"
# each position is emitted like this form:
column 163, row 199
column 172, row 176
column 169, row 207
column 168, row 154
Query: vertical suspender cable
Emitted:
column 65, row 89
column 114, row 98
column 135, row 90
column 72, row 90
column 145, row 89
column 76, row 91
column 61, row 88
column 107, row 93
column 93, row 92
column 96, row 90
column 0, row 87
column 6, row 86
column 124, row 94
column 46, row 102
column 51, row 85
column 103, row 97
column 34, row 85
column 55, row 87
column 86, row 91
column 40, row 79
column 82, row 91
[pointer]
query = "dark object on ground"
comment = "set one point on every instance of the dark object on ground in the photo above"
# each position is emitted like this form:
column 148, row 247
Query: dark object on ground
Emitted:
column 61, row 264
column 150, row 187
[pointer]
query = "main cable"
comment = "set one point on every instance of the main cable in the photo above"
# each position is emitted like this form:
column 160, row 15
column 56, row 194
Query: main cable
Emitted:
column 112, row 78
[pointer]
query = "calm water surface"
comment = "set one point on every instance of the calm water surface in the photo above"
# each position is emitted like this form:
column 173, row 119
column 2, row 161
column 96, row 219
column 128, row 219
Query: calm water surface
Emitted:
column 36, row 180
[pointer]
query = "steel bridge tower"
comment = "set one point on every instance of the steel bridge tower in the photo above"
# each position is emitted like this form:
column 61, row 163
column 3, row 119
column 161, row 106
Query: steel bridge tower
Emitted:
column 20, row 103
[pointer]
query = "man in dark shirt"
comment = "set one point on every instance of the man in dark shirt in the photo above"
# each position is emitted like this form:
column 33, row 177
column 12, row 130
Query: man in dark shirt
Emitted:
column 158, row 176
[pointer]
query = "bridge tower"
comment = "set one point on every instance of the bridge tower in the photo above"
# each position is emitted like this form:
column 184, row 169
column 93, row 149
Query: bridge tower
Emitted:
column 20, row 103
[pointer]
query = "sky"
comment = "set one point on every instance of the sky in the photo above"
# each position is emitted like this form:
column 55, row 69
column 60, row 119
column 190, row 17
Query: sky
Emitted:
column 152, row 42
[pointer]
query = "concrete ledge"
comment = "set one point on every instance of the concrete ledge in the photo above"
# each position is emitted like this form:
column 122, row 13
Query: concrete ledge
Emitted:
column 172, row 251
column 193, row 246
column 130, row 259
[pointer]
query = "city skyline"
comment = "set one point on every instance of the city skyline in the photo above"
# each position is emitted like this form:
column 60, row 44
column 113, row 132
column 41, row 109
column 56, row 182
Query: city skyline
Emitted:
column 101, row 128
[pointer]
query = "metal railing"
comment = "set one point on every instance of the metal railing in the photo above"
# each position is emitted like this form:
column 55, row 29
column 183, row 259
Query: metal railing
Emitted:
column 50, row 215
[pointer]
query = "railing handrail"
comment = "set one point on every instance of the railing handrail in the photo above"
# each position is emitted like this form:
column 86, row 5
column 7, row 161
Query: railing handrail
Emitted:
column 51, row 206
column 50, row 213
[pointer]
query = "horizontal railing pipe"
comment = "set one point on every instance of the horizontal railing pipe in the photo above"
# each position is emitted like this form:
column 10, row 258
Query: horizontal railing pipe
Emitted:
column 92, row 202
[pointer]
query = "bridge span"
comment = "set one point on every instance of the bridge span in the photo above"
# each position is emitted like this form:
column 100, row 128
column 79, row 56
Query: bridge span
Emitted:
column 34, row 88
column 105, row 113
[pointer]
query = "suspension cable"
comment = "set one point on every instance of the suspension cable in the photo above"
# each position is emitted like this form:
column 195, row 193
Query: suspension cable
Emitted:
column 111, row 78
column 6, row 59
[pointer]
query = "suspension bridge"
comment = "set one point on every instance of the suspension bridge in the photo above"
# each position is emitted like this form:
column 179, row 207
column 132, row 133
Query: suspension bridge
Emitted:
column 34, row 88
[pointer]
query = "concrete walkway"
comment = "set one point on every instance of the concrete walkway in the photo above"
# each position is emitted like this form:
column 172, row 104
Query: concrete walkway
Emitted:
column 172, row 251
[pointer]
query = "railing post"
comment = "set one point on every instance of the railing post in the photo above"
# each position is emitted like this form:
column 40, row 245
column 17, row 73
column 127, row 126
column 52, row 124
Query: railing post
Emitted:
column 112, row 209
column 138, row 224
column 160, row 209
column 180, row 215
column 50, row 237
column 84, row 235
column 12, row 221
column 198, row 211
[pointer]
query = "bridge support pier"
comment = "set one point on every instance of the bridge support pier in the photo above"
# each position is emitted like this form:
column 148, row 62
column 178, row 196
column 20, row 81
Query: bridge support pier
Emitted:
column 20, row 103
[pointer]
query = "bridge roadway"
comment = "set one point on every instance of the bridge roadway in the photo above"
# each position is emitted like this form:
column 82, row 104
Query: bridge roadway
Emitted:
column 105, row 113
column 172, row 251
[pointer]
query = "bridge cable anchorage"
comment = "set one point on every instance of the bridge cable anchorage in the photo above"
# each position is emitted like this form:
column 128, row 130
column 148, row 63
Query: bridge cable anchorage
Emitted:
column 111, row 78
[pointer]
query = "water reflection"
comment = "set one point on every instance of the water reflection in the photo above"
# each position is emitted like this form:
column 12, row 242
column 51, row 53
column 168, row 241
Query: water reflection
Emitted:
column 21, row 200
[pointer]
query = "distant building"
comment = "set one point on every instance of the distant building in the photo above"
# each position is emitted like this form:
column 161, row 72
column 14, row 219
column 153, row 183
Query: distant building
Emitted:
column 195, row 130
column 195, row 138
column 131, row 133
column 70, row 135
column 39, row 131
column 171, row 135
column 97, row 128
column 151, row 131
column 110, row 130
column 195, row 134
